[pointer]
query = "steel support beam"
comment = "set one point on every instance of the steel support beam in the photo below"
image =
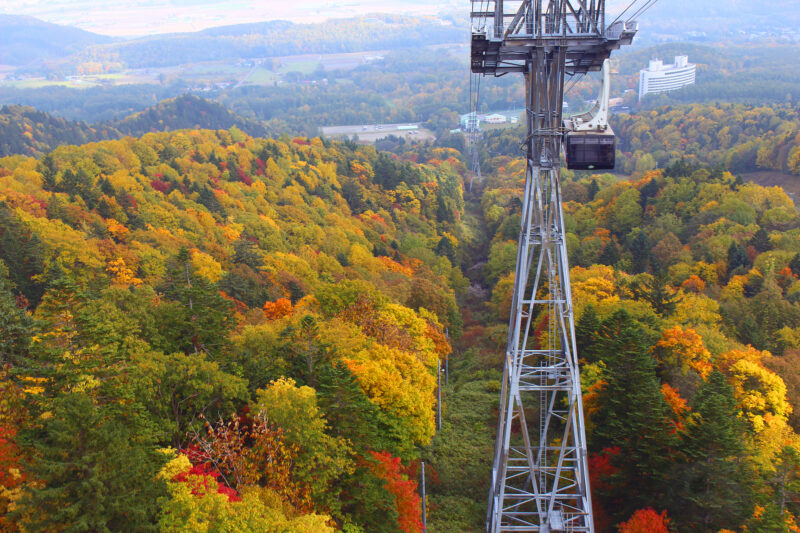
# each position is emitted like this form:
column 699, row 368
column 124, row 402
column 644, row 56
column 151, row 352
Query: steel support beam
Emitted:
column 540, row 478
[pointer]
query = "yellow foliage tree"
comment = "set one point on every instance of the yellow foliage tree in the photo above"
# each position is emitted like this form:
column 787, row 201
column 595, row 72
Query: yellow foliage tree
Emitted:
column 206, row 266
column 760, row 393
column 195, row 506
column 121, row 274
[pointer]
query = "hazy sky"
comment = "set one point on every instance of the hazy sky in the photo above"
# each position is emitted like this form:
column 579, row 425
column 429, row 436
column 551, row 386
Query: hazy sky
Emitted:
column 147, row 17
column 143, row 17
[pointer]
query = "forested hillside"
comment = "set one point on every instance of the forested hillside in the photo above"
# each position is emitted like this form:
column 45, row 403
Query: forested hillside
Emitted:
column 201, row 329
column 684, row 283
column 24, row 130
column 185, row 112
column 741, row 138
column 244, row 332
column 737, row 137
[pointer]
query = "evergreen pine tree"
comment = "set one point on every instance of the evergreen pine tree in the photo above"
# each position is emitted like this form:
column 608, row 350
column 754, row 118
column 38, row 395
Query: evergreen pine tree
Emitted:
column 655, row 291
column 640, row 248
column 47, row 168
column 95, row 469
column 711, row 490
column 632, row 417
column 737, row 257
column 445, row 248
column 650, row 190
column 209, row 199
column 106, row 187
column 794, row 264
column 760, row 241
column 586, row 331
column 200, row 319
column 246, row 251
column 22, row 253
column 16, row 327
column 594, row 188
column 609, row 254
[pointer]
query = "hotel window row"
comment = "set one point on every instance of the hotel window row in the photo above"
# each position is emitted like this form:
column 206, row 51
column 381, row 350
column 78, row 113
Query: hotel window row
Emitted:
column 659, row 78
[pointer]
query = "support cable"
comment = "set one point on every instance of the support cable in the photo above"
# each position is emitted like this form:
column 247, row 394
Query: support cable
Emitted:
column 643, row 10
column 623, row 12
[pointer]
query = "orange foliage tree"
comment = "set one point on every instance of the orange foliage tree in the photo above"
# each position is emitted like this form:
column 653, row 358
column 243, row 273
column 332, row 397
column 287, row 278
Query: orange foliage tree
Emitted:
column 646, row 521
column 683, row 349
column 277, row 309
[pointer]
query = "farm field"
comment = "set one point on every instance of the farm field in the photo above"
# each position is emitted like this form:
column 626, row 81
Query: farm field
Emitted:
column 369, row 133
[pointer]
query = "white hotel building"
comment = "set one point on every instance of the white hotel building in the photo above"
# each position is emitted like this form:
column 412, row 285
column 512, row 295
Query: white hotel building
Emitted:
column 659, row 78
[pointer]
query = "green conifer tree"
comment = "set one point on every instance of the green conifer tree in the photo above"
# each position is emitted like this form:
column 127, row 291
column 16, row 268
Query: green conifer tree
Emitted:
column 640, row 248
column 16, row 327
column 737, row 257
column 96, row 469
column 586, row 331
column 711, row 490
column 633, row 417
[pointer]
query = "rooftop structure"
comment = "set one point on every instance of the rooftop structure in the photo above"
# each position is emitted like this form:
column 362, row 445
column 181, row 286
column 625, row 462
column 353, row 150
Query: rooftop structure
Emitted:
column 660, row 78
column 474, row 119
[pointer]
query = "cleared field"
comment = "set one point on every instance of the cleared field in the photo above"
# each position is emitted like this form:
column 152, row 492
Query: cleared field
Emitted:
column 36, row 83
column 302, row 64
column 262, row 76
column 243, row 72
column 369, row 133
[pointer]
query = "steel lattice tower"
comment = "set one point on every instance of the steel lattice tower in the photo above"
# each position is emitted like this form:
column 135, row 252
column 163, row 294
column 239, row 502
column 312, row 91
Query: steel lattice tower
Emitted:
column 540, row 479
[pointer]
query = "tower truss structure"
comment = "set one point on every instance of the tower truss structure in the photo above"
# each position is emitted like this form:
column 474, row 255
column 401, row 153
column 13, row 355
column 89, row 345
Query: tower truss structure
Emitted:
column 540, row 479
column 473, row 146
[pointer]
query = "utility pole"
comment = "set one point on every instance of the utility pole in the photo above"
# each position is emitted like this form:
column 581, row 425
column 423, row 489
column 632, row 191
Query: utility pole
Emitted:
column 540, row 479
column 439, row 394
column 424, row 504
column 447, row 361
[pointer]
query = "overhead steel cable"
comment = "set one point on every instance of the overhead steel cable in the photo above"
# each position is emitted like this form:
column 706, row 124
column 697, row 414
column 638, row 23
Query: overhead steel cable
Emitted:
column 643, row 10
column 623, row 12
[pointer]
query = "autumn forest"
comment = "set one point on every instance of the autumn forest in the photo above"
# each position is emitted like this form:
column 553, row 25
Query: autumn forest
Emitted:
column 214, row 320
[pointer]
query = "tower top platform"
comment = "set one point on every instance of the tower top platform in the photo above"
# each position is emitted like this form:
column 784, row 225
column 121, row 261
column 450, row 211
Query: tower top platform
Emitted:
column 505, row 33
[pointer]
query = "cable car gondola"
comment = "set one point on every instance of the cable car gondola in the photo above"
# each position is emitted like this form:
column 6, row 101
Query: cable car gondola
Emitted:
column 586, row 150
column 589, row 142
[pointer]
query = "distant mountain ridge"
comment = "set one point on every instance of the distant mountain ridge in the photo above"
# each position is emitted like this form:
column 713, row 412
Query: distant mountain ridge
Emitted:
column 277, row 38
column 24, row 40
column 25, row 130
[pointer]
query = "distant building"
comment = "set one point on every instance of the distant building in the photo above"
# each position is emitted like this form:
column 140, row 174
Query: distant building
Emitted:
column 470, row 121
column 496, row 118
column 660, row 78
column 473, row 120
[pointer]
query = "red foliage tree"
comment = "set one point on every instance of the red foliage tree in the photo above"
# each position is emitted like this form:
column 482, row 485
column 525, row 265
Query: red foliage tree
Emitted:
column 244, row 178
column 209, row 481
column 601, row 472
column 404, row 490
column 160, row 186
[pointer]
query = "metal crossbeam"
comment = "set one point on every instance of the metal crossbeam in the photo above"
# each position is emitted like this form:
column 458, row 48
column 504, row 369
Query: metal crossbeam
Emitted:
column 540, row 479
